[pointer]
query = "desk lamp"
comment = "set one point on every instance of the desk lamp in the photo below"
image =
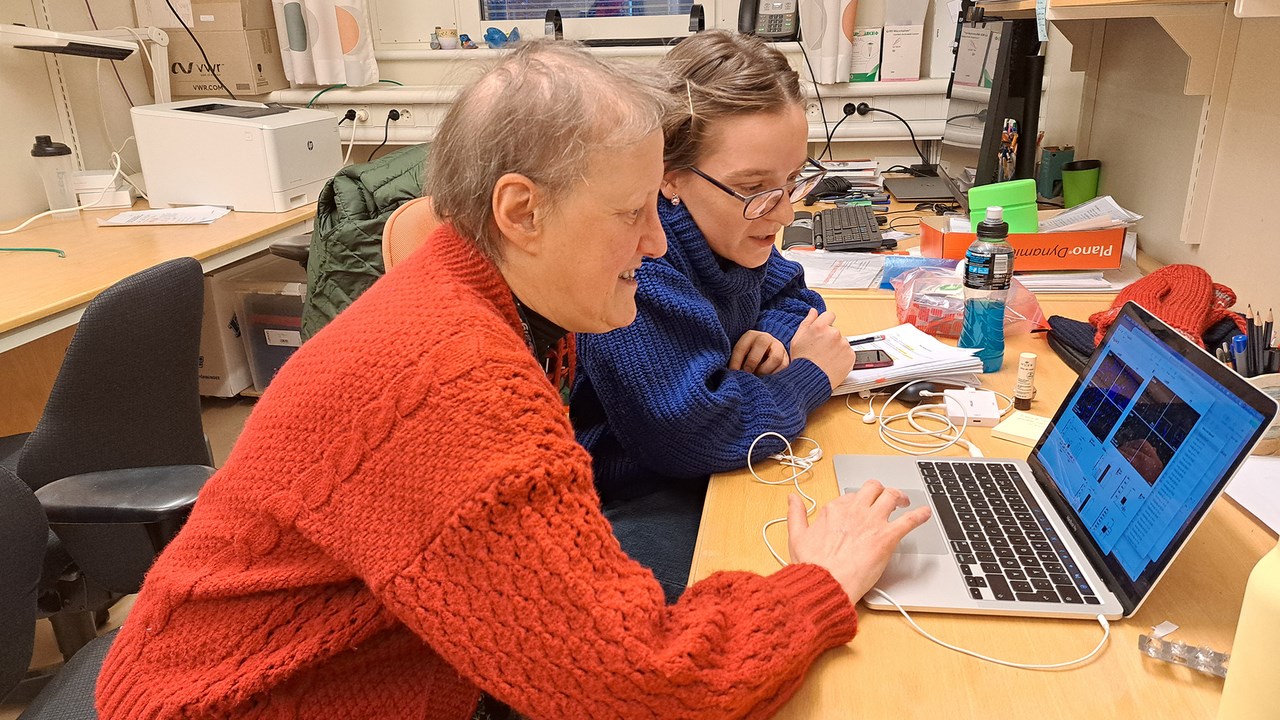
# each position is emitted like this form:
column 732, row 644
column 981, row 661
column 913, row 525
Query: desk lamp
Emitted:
column 29, row 38
column 116, row 44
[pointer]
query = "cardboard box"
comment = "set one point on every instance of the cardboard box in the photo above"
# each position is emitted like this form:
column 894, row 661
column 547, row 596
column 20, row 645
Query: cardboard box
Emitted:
column 901, row 52
column 248, row 61
column 1086, row 250
column 903, row 39
column 155, row 13
column 866, row 55
column 971, row 56
column 940, row 38
column 208, row 15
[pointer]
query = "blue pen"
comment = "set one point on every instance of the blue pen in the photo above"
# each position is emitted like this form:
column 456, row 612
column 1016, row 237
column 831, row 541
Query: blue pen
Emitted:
column 1239, row 347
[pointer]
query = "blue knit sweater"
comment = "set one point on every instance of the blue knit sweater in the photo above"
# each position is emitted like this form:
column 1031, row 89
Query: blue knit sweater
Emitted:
column 655, row 402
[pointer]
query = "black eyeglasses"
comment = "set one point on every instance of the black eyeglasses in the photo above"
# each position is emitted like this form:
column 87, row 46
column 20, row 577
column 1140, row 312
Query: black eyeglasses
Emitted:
column 757, row 205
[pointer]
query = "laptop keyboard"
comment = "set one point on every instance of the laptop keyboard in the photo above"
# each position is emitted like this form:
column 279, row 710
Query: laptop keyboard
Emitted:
column 1003, row 542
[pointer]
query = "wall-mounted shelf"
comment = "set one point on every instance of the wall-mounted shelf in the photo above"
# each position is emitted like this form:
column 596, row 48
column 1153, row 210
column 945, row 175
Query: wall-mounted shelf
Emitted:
column 1195, row 25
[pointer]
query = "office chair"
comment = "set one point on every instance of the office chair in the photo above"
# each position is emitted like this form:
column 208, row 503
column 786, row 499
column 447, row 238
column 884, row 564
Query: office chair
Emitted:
column 23, row 529
column 119, row 453
column 406, row 230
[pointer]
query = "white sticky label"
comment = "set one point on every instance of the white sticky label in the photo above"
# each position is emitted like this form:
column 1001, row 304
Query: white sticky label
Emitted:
column 283, row 338
column 206, row 18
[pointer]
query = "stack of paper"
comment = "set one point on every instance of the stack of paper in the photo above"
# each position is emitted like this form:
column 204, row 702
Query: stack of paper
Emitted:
column 1081, row 281
column 916, row 356
column 1097, row 214
column 861, row 174
column 844, row 270
column 193, row 215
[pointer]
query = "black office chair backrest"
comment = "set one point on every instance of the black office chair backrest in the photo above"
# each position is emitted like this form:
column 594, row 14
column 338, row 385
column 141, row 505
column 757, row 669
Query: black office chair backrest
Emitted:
column 128, row 392
column 23, row 534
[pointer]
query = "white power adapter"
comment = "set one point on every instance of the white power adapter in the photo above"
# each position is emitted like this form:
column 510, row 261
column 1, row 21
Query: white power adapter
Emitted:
column 980, row 406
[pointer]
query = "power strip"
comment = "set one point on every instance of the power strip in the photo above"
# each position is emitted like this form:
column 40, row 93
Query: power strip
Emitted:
column 981, row 406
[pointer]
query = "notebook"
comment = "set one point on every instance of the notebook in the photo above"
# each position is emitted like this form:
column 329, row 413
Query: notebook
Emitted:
column 1131, row 462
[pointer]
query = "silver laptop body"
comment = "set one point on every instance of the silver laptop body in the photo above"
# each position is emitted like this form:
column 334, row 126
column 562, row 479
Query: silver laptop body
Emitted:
column 1134, row 457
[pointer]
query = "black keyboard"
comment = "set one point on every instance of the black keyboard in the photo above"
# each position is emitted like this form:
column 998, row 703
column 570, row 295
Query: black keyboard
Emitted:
column 1005, row 546
column 850, row 227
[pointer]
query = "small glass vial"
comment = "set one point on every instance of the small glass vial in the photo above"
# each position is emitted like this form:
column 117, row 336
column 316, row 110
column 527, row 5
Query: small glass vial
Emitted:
column 1025, row 389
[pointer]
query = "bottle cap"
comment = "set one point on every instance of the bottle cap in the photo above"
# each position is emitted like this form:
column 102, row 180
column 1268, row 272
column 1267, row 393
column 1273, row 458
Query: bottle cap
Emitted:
column 46, row 147
column 994, row 226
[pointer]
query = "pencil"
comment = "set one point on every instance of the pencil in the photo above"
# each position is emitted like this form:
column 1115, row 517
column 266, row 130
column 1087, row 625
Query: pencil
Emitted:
column 1266, row 330
column 1259, row 357
column 1253, row 342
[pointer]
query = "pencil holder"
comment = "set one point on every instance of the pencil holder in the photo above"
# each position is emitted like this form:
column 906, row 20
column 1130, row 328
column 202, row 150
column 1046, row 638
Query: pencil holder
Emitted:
column 1270, row 442
column 1049, row 179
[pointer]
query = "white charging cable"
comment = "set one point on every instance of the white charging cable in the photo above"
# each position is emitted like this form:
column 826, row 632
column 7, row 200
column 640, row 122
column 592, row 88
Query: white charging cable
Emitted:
column 799, row 466
column 115, row 161
column 1102, row 620
column 346, row 159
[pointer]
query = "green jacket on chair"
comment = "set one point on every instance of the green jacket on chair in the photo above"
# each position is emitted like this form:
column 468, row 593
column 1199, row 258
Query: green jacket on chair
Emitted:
column 346, row 244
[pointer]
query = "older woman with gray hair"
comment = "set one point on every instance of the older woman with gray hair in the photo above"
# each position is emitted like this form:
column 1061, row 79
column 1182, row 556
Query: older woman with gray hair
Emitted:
column 407, row 523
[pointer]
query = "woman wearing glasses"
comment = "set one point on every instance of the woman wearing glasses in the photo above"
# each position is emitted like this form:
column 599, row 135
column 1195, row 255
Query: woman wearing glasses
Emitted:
column 728, row 343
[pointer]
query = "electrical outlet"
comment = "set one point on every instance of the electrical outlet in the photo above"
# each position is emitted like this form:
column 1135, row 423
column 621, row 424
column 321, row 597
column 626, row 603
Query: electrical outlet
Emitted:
column 813, row 111
column 406, row 117
column 362, row 115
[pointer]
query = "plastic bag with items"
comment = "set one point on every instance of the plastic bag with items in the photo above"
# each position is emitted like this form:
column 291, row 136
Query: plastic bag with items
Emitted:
column 933, row 300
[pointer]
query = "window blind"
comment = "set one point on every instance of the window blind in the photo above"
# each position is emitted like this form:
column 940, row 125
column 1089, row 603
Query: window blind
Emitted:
column 493, row 10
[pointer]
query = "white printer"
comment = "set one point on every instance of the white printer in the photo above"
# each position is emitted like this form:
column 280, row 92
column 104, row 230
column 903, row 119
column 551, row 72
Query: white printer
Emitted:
column 247, row 156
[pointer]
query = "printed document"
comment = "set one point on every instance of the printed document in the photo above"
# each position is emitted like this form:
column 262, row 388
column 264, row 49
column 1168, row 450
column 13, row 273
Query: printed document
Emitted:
column 1097, row 214
column 194, row 215
column 916, row 355
column 842, row 270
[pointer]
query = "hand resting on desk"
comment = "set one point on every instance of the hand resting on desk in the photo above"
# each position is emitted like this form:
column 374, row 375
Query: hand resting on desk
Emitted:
column 851, row 536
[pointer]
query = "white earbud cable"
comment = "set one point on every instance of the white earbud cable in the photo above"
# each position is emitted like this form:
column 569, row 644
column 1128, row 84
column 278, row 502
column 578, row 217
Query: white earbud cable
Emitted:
column 799, row 466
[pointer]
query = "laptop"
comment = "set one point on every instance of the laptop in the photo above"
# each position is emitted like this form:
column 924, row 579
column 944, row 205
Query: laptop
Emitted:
column 918, row 189
column 1145, row 441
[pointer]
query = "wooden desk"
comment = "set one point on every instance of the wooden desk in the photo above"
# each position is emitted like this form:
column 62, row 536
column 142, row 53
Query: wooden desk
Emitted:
column 890, row 671
column 45, row 295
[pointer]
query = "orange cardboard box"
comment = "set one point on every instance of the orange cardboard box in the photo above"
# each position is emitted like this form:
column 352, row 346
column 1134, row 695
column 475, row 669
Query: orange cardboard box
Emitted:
column 1083, row 250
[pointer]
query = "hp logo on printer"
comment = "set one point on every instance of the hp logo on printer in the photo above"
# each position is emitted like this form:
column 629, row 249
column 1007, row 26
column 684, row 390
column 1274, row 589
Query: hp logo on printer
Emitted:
column 311, row 145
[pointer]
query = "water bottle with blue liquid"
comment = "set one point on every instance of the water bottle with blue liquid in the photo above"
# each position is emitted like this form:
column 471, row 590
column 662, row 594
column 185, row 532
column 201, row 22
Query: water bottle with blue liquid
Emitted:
column 987, row 274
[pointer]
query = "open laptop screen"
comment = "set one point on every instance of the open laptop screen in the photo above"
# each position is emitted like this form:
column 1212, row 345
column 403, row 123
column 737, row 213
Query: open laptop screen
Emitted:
column 1149, row 436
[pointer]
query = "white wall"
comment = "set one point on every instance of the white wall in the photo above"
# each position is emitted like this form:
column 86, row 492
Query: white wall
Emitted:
column 27, row 94
column 31, row 95
column 29, row 111
column 1060, row 107
column 1144, row 132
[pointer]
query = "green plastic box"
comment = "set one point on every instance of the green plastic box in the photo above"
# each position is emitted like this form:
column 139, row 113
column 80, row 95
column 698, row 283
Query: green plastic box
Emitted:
column 1017, row 197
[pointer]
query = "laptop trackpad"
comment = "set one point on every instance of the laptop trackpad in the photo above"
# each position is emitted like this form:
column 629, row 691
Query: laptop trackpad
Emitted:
column 926, row 539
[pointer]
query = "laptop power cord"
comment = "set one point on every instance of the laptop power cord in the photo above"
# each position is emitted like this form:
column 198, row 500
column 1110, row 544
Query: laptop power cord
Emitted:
column 1102, row 620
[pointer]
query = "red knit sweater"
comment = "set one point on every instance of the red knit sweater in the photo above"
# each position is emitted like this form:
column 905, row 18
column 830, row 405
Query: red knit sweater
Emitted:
column 406, row 519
